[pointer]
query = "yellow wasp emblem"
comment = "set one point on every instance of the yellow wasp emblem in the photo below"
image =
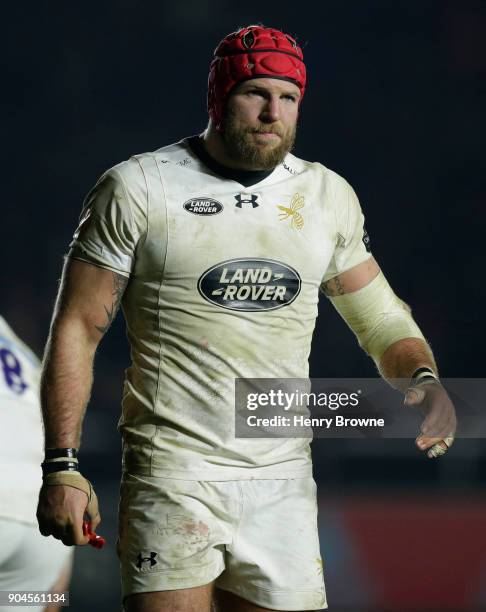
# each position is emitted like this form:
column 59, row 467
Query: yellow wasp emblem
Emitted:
column 296, row 204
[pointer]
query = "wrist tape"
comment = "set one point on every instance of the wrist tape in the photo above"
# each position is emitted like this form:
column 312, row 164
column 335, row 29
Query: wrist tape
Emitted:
column 77, row 481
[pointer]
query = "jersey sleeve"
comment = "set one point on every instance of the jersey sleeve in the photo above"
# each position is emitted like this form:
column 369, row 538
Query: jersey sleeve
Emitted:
column 112, row 223
column 352, row 240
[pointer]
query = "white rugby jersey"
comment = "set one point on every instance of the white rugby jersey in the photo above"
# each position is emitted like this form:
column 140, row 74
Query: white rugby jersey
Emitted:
column 21, row 436
column 224, row 283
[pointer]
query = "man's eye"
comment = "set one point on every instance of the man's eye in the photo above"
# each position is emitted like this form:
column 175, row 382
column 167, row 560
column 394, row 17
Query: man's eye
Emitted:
column 289, row 97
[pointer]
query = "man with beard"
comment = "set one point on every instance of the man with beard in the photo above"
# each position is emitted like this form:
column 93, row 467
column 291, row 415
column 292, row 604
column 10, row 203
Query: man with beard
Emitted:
column 216, row 247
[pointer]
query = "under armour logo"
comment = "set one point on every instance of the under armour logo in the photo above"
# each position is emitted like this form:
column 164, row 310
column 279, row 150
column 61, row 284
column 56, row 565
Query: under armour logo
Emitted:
column 151, row 559
column 242, row 198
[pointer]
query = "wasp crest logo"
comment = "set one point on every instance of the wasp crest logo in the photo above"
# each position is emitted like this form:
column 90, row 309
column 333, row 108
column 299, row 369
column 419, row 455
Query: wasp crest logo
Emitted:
column 292, row 212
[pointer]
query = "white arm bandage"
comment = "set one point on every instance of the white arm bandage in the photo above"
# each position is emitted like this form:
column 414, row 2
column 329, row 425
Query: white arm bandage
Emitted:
column 377, row 316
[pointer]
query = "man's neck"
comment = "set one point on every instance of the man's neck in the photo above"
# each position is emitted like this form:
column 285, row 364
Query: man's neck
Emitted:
column 244, row 177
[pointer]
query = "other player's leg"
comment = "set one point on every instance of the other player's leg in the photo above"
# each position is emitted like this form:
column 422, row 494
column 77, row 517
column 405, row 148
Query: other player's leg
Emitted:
column 30, row 561
column 61, row 585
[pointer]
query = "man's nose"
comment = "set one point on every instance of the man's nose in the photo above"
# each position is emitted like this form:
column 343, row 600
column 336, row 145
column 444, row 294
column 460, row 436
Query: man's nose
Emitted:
column 271, row 109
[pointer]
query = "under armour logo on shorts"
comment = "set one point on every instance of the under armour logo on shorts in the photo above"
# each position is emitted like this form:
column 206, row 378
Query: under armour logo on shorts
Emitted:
column 151, row 559
column 246, row 198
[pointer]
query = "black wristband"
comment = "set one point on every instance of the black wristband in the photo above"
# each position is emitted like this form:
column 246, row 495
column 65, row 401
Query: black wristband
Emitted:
column 423, row 370
column 59, row 466
column 54, row 453
column 424, row 375
column 427, row 377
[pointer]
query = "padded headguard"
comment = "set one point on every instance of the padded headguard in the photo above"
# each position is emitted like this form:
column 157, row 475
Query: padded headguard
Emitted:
column 250, row 53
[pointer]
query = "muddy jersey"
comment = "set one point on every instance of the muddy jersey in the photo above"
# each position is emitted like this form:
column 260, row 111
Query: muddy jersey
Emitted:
column 224, row 284
column 21, row 437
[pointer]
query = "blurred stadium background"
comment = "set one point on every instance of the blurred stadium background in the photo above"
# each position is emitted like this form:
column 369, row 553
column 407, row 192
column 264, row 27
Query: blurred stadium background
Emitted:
column 396, row 103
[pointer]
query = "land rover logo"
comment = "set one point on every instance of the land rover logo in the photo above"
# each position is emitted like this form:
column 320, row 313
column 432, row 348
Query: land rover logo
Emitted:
column 250, row 285
column 203, row 206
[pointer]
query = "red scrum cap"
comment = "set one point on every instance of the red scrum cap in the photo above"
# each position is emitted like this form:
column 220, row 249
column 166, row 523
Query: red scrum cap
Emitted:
column 250, row 53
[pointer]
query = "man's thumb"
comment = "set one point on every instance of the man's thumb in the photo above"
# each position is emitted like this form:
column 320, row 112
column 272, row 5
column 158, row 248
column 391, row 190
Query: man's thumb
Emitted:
column 414, row 396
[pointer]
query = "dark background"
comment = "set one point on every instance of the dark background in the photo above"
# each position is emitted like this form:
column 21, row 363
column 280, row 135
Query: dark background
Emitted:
column 395, row 103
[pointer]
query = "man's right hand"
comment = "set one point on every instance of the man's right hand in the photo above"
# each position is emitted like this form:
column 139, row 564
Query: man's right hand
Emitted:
column 60, row 513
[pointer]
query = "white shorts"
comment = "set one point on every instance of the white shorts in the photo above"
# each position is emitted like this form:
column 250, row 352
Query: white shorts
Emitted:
column 28, row 560
column 255, row 538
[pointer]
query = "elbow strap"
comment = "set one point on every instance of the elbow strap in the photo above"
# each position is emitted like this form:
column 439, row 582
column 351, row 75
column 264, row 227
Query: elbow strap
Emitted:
column 377, row 316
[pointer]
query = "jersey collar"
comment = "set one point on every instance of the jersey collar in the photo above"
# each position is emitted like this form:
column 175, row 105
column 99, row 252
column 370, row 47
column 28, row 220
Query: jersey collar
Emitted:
column 247, row 178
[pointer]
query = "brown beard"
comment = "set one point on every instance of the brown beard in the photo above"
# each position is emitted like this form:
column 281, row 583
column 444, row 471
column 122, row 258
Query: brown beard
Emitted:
column 240, row 144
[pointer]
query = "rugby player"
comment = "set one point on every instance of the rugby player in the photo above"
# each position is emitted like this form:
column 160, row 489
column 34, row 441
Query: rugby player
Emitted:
column 216, row 247
column 28, row 562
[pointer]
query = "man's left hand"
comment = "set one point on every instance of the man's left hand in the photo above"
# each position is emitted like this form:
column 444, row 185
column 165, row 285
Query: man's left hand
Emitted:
column 438, row 429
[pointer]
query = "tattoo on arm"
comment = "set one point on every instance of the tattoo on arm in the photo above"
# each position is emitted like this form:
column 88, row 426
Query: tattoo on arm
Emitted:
column 333, row 287
column 119, row 285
